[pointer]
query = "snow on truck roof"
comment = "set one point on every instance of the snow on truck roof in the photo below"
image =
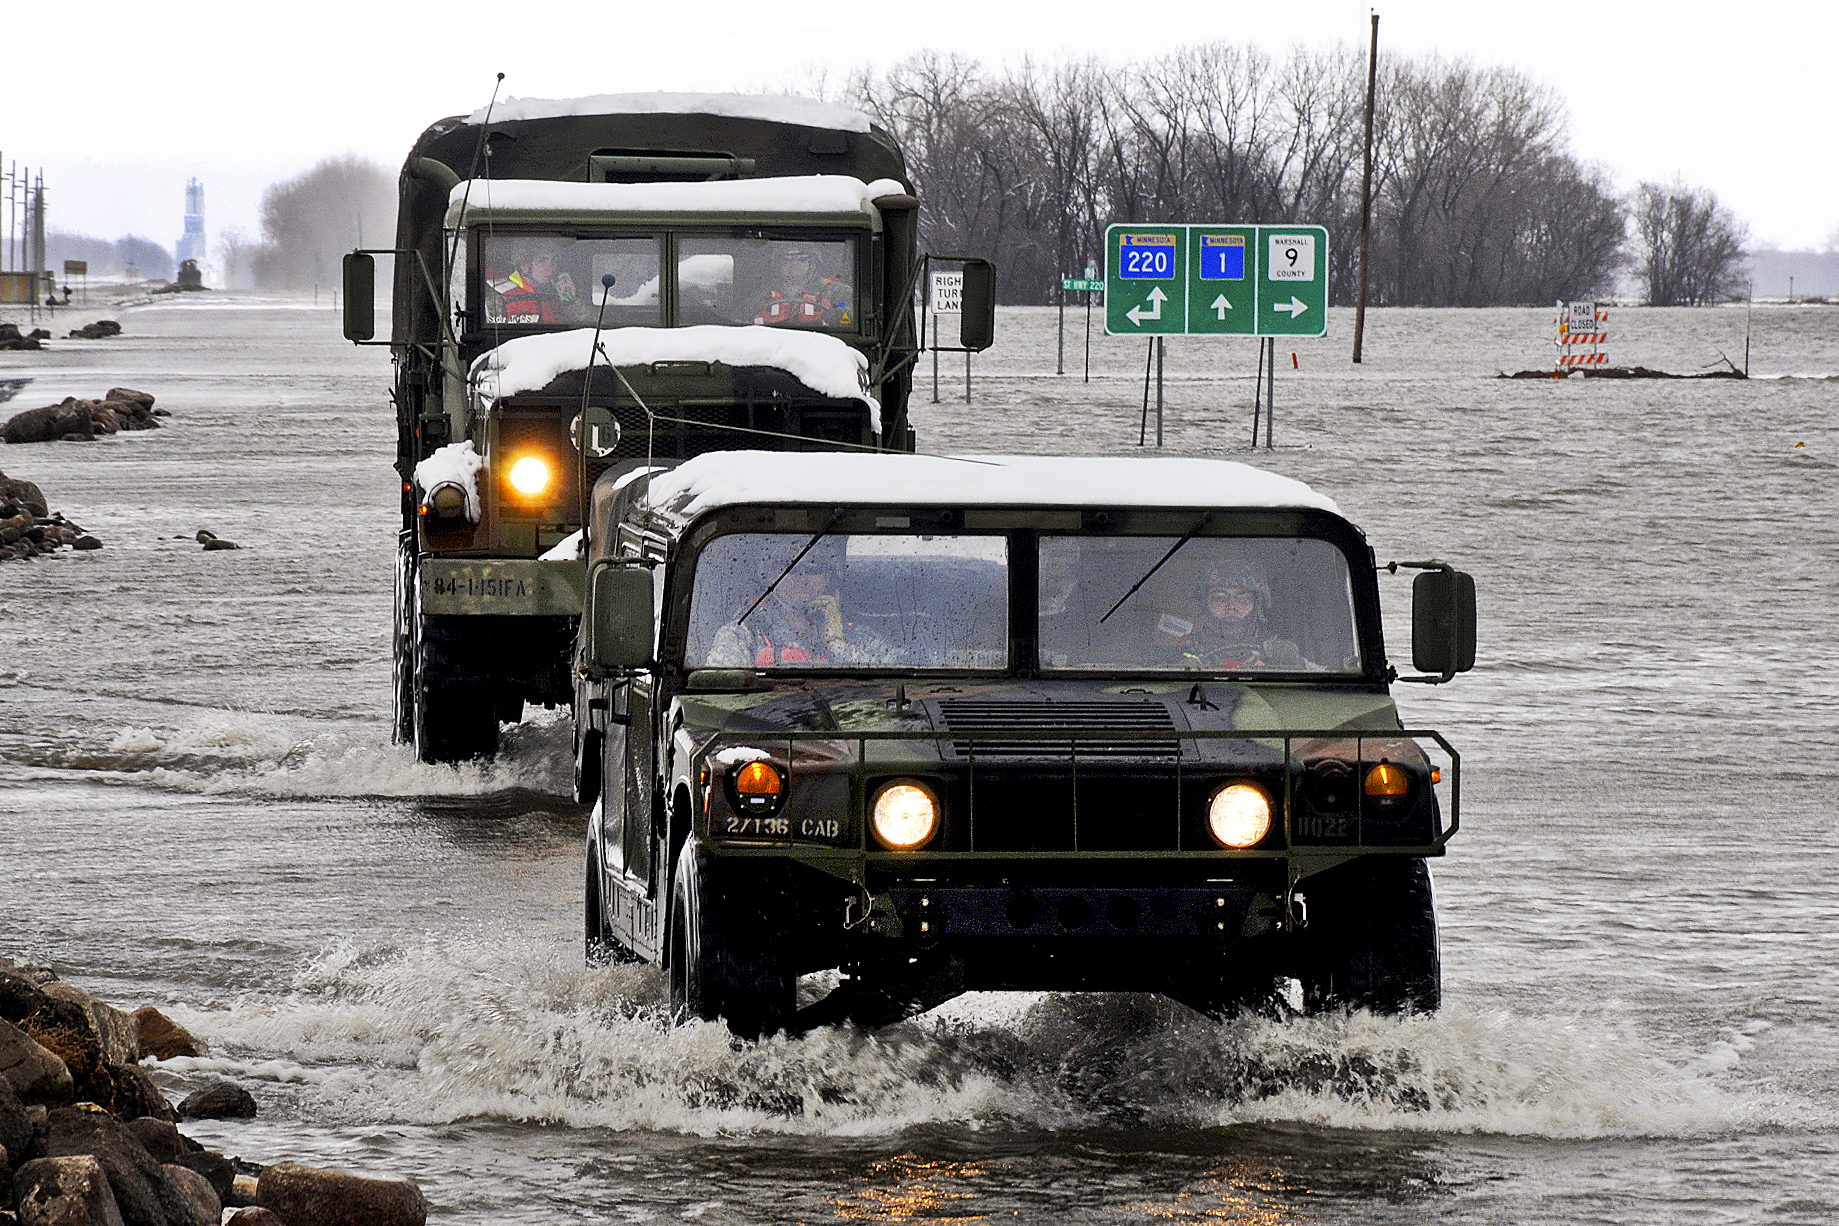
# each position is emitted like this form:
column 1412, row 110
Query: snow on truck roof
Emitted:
column 788, row 194
column 779, row 108
column 729, row 478
column 822, row 363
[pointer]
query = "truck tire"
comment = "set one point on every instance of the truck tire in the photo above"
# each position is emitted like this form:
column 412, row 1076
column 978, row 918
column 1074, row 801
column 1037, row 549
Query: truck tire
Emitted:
column 726, row 960
column 455, row 716
column 601, row 948
column 1372, row 938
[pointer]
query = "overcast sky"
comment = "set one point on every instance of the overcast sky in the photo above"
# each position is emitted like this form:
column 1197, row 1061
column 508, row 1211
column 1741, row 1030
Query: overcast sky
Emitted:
column 122, row 102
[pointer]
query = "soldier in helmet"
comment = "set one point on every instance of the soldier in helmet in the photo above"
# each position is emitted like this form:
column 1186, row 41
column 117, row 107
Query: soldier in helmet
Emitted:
column 802, row 296
column 1233, row 628
column 538, row 289
column 800, row 622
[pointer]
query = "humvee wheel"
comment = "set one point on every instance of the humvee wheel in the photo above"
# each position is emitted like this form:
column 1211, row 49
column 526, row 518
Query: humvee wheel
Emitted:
column 725, row 960
column 1372, row 938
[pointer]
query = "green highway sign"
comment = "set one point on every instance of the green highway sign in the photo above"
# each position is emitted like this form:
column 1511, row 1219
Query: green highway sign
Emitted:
column 1081, row 283
column 1219, row 280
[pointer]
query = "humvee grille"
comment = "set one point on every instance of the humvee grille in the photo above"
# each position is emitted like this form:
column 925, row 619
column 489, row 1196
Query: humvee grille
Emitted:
column 987, row 729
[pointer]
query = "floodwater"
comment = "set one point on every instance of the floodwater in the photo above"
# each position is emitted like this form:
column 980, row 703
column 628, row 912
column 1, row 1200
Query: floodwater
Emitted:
column 1642, row 1007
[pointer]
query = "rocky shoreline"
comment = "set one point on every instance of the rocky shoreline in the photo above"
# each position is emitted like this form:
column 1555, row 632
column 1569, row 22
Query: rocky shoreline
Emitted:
column 88, row 1137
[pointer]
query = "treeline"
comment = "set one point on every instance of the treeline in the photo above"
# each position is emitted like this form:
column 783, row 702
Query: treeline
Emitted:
column 1477, row 199
column 130, row 253
column 310, row 221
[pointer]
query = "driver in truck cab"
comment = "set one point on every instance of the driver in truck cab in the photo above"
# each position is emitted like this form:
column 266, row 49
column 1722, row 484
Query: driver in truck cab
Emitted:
column 800, row 621
column 538, row 289
column 803, row 297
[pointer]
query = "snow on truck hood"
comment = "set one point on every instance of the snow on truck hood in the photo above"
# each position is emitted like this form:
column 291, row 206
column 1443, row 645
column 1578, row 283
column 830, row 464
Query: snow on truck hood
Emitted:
column 781, row 108
column 729, row 478
column 788, row 194
column 822, row 363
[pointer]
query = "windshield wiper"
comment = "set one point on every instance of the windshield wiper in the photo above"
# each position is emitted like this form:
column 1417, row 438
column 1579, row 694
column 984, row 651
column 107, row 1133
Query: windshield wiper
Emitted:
column 820, row 534
column 1173, row 549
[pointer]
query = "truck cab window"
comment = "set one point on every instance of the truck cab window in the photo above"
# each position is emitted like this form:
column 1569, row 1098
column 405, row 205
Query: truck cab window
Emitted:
column 785, row 282
column 554, row 280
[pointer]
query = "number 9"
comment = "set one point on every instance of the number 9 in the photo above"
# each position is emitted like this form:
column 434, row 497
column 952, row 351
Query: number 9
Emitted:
column 1290, row 254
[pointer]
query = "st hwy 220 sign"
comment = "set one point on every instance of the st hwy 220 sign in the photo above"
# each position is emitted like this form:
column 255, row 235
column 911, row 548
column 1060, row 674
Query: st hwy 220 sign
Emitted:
column 1236, row 280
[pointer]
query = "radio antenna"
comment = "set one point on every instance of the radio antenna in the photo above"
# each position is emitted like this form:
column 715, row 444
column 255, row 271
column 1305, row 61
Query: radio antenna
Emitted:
column 479, row 151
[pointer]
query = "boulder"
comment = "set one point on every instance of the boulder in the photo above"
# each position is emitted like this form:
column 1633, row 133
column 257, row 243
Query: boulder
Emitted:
column 145, row 399
column 333, row 1198
column 254, row 1215
column 160, row 1036
column 117, row 1034
column 143, row 1190
column 26, row 495
column 217, row 1170
column 35, row 1072
column 18, row 1132
column 20, row 995
column 192, row 1200
column 162, row 1138
column 128, row 1092
column 220, row 1100
column 66, row 1191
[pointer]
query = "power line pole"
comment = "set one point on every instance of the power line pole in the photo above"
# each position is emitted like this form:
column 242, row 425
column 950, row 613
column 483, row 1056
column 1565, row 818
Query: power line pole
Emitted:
column 1366, row 190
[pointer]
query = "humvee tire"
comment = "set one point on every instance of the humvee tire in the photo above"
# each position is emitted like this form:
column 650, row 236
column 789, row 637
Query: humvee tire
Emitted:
column 1372, row 938
column 726, row 960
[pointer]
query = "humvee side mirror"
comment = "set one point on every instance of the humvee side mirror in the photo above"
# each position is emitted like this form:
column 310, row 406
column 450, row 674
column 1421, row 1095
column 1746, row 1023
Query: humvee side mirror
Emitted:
column 618, row 618
column 1443, row 622
column 360, row 297
column 977, row 326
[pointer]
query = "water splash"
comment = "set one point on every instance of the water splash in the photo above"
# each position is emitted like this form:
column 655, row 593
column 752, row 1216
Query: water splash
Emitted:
column 457, row 1030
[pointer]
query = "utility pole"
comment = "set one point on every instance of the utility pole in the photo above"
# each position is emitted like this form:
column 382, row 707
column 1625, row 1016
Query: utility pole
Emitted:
column 1366, row 190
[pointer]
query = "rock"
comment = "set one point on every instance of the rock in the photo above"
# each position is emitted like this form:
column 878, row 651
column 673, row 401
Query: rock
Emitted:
column 24, row 493
column 18, row 1134
column 160, row 1036
column 36, row 1073
column 143, row 1190
column 66, row 1191
column 218, row 542
column 20, row 994
column 217, row 1170
column 127, row 393
column 85, row 542
column 194, row 1202
column 129, row 1092
column 254, row 1215
column 333, row 1198
column 96, row 331
column 221, row 1100
column 162, row 1138
column 117, row 1033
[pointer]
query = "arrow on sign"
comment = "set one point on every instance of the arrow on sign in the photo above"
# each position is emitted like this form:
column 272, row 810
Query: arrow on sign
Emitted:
column 1220, row 306
column 1295, row 307
column 1137, row 315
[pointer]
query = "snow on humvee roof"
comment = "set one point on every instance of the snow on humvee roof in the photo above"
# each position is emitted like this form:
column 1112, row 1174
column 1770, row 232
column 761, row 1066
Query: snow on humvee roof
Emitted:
column 728, row 478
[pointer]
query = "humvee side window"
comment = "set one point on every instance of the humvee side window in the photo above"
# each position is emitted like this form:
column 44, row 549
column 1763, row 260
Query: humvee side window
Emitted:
column 852, row 601
column 554, row 280
column 1218, row 604
column 776, row 282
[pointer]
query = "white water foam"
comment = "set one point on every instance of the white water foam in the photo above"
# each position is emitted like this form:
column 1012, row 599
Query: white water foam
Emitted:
column 234, row 753
column 489, row 1029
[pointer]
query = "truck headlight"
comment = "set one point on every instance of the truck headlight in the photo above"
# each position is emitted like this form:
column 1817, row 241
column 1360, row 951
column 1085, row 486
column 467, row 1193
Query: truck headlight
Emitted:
column 1239, row 815
column 905, row 815
column 530, row 476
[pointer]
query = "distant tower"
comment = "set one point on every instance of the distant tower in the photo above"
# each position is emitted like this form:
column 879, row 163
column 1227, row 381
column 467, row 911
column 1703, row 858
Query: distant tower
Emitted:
column 191, row 246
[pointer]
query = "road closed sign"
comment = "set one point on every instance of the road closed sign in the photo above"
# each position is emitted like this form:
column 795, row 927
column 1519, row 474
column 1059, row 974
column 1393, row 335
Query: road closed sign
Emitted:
column 1222, row 280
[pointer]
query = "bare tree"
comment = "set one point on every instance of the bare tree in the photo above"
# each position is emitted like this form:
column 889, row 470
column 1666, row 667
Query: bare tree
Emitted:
column 310, row 222
column 1689, row 247
column 236, row 253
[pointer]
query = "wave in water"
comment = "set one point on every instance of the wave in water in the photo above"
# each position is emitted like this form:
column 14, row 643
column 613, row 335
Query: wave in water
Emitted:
column 232, row 753
column 482, row 1029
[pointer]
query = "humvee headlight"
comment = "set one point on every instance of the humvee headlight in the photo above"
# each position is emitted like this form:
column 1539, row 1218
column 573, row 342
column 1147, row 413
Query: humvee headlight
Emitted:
column 1387, row 782
column 905, row 816
column 530, row 476
column 756, row 787
column 1239, row 816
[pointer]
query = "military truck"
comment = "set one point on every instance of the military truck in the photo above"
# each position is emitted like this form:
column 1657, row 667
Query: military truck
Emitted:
column 914, row 725
column 586, row 285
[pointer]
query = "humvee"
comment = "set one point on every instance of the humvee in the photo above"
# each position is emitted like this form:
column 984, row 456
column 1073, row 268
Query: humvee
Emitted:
column 945, row 724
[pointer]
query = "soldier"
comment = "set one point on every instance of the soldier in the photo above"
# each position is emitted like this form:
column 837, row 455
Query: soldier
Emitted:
column 1233, row 627
column 800, row 622
column 804, row 298
column 537, row 291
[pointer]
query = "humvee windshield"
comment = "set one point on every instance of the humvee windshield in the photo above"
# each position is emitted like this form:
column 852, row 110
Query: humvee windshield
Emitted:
column 1216, row 604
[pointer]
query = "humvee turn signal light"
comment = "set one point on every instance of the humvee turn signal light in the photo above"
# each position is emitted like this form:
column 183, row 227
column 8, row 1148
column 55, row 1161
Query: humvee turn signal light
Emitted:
column 757, row 779
column 905, row 816
column 1239, row 816
column 530, row 476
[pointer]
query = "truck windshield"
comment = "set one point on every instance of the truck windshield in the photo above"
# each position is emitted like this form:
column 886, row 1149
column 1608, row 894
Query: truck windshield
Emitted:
column 555, row 280
column 1218, row 604
column 852, row 601
column 787, row 282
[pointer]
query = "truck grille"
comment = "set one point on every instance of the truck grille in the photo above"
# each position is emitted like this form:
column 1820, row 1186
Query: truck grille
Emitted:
column 982, row 728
